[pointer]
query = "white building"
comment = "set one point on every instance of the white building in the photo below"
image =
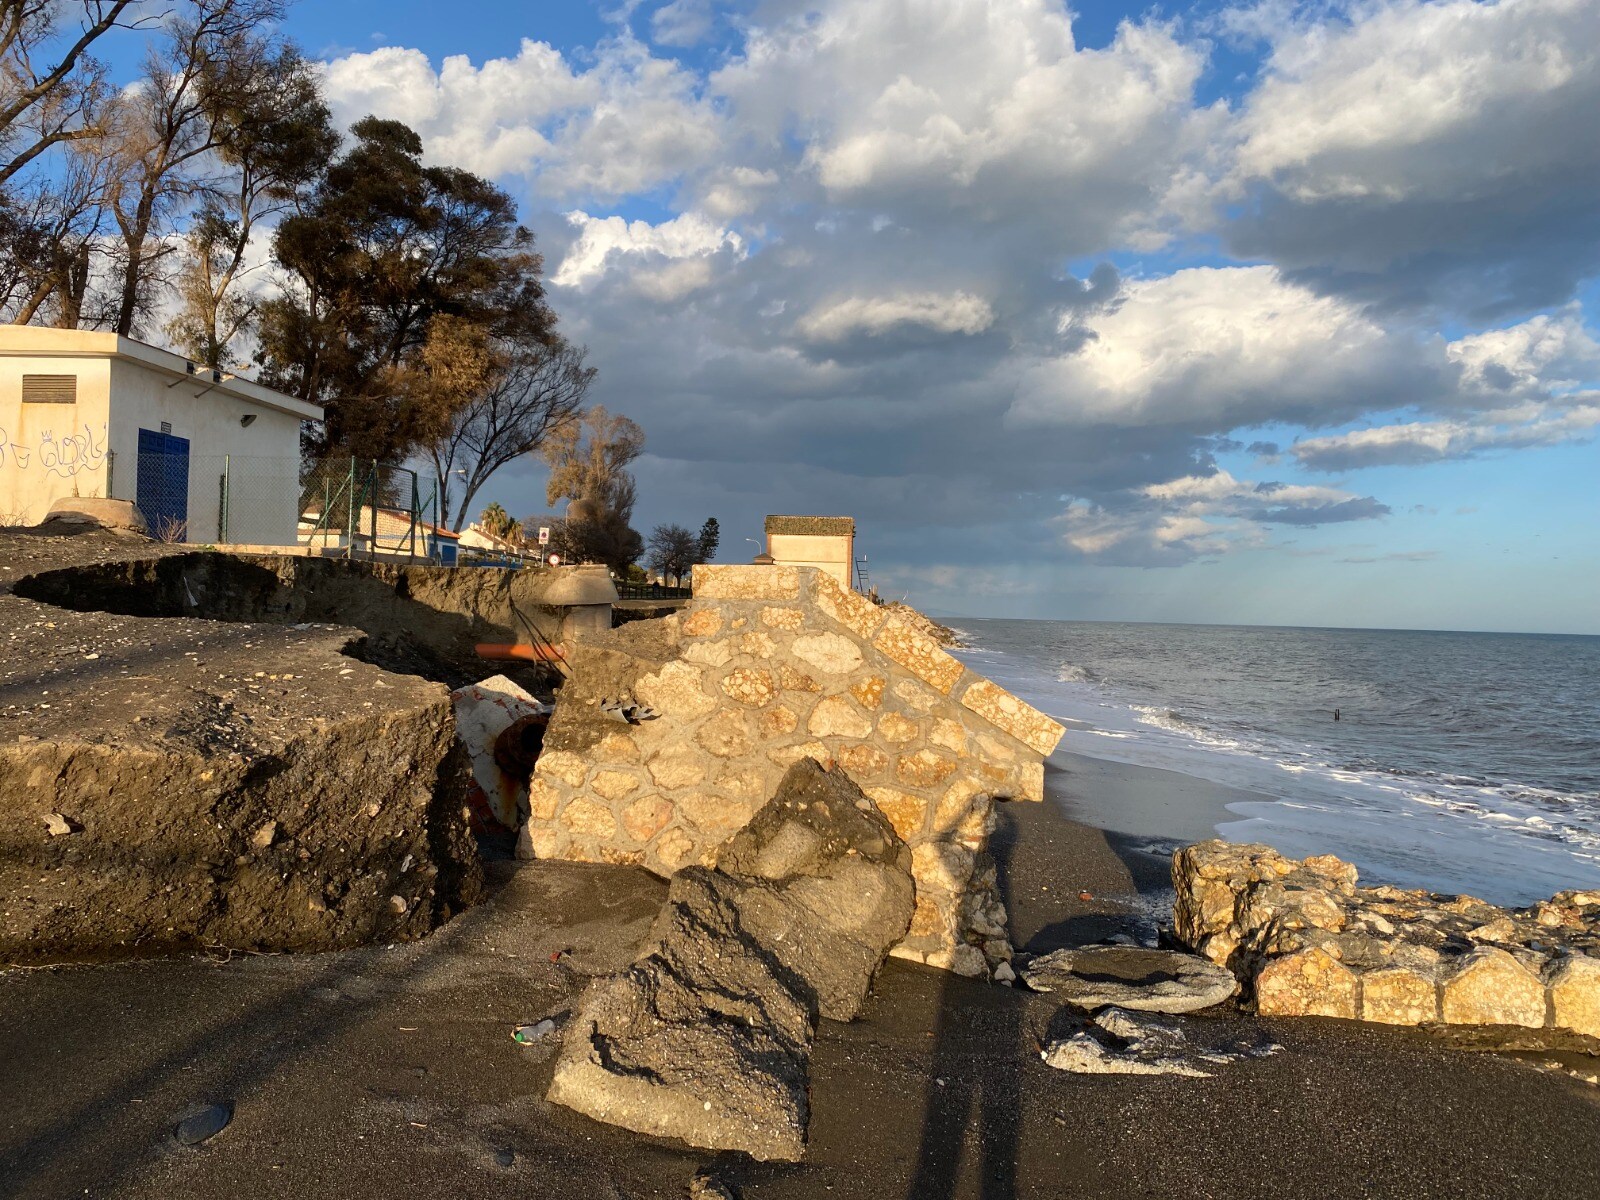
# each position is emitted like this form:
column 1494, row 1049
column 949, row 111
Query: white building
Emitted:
column 206, row 456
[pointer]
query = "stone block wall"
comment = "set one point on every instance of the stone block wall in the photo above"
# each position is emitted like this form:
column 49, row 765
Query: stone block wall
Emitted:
column 1306, row 941
column 768, row 665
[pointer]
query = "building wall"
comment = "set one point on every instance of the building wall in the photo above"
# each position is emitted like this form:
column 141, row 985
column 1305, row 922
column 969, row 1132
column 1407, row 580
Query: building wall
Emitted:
column 826, row 553
column 51, row 451
column 264, row 471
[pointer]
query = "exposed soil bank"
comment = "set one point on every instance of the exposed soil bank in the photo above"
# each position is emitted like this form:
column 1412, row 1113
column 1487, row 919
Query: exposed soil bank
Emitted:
column 250, row 786
column 418, row 620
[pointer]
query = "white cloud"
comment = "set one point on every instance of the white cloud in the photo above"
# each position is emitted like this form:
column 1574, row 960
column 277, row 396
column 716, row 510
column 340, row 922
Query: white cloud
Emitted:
column 628, row 123
column 983, row 108
column 664, row 262
column 1218, row 348
column 873, row 316
column 1399, row 103
column 1552, row 352
column 682, row 22
column 1201, row 516
column 1438, row 154
column 1416, row 442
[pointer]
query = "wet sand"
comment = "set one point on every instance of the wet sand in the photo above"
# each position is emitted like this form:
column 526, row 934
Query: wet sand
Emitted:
column 388, row 1072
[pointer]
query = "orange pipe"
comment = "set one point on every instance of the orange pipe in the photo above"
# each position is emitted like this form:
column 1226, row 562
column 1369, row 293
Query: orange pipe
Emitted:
column 519, row 652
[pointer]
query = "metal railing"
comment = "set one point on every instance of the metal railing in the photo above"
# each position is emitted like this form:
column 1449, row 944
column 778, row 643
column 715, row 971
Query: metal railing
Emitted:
column 652, row 591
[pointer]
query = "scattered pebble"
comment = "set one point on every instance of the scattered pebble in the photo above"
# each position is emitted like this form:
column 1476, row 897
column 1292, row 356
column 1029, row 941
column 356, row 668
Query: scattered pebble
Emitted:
column 204, row 1124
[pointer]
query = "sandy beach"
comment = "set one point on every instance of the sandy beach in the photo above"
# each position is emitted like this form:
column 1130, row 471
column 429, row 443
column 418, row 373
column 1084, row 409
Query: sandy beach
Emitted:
column 392, row 1071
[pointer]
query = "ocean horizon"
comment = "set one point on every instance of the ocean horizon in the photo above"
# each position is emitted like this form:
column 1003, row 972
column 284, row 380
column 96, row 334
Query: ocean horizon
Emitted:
column 1460, row 760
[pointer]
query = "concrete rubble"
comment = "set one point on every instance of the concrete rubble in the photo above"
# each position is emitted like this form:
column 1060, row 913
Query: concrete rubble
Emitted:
column 1091, row 977
column 1305, row 940
column 707, row 1037
column 768, row 665
column 1118, row 1042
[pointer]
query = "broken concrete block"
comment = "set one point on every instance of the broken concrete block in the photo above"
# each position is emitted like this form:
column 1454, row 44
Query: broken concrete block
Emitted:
column 1092, row 977
column 701, row 1040
column 707, row 1038
column 831, row 888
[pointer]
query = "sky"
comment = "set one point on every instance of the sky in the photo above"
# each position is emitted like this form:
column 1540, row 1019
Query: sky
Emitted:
column 1268, row 314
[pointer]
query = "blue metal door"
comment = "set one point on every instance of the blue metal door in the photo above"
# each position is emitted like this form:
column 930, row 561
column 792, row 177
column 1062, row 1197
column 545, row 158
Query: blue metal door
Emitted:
column 162, row 491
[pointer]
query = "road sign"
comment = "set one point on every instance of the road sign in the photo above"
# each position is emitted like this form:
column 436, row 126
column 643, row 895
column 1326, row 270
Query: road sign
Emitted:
column 555, row 560
column 544, row 535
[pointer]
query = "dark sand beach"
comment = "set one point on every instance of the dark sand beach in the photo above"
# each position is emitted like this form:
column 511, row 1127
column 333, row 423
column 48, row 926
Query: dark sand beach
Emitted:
column 385, row 1072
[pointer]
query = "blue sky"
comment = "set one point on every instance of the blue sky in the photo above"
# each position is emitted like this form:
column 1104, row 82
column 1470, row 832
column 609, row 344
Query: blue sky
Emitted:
column 1266, row 313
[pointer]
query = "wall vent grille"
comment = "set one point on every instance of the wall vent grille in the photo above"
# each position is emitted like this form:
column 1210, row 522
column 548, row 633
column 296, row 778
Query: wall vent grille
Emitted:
column 49, row 389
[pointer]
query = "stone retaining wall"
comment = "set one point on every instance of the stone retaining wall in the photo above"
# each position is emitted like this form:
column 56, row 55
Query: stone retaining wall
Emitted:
column 1306, row 941
column 768, row 665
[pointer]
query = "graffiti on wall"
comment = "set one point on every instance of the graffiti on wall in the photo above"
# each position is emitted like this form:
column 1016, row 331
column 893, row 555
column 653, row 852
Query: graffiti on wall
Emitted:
column 76, row 452
column 66, row 456
column 12, row 452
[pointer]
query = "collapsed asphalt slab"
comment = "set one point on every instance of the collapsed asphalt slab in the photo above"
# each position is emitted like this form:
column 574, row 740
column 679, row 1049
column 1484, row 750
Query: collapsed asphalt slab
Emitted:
column 171, row 782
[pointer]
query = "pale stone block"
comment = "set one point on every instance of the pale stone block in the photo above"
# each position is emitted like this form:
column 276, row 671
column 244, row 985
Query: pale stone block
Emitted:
column 1575, row 994
column 777, row 721
column 869, row 691
column 588, row 818
column 1398, row 996
column 1308, row 983
column 933, row 918
column 747, row 783
column 731, row 581
column 788, row 619
column 543, row 800
column 895, row 728
column 942, row 867
column 646, row 817
column 675, row 691
column 920, row 698
column 1013, row 716
column 710, row 654
column 701, row 622
column 838, row 716
column 862, row 760
column 756, row 644
column 949, row 734
column 907, row 813
column 726, row 734
column 924, row 769
column 749, row 685
column 828, row 653
column 674, row 848
column 677, row 767
column 616, row 747
column 713, row 814
column 787, row 756
column 853, row 611
column 1029, row 782
column 953, row 806
column 796, row 681
column 542, row 841
column 563, row 765
column 1492, row 988
column 614, row 785
column 919, row 655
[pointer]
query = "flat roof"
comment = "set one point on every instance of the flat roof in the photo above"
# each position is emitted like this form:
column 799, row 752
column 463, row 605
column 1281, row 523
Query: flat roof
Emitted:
column 22, row 341
column 812, row 526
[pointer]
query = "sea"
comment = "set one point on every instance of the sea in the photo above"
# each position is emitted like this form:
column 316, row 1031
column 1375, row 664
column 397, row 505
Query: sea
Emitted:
column 1460, row 762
